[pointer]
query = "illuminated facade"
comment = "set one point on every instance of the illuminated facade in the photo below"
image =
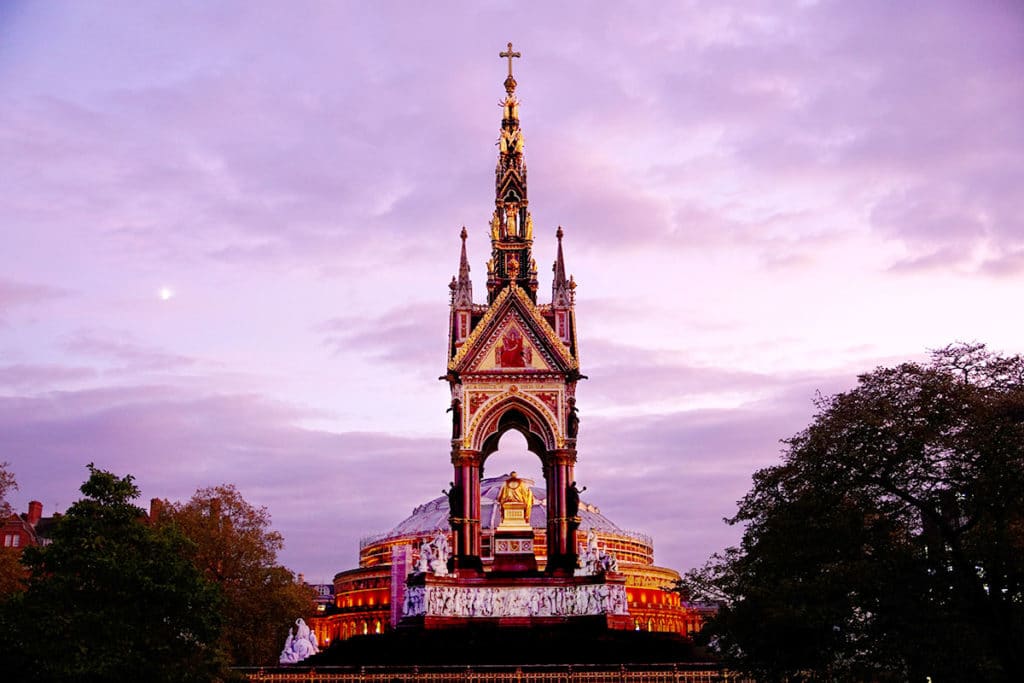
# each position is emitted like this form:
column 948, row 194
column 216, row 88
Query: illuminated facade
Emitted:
column 362, row 596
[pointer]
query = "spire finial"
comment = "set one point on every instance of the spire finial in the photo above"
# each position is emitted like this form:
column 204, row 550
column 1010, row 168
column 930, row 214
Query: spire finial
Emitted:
column 510, row 82
column 462, row 289
column 510, row 54
column 561, row 289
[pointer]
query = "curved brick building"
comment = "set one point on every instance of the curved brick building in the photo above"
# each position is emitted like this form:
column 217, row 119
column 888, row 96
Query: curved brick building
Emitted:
column 362, row 596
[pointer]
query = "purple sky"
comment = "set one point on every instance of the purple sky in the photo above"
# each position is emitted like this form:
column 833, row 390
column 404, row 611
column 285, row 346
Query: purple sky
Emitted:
column 760, row 201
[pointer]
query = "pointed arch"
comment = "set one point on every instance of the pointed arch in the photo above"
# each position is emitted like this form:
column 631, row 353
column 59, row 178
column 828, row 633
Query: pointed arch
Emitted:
column 517, row 411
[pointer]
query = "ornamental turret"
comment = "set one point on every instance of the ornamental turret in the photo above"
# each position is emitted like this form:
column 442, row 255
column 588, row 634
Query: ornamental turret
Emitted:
column 461, row 298
column 563, row 296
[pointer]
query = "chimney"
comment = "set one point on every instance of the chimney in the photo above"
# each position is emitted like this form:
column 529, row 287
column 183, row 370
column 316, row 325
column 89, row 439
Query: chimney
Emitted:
column 35, row 512
column 156, row 508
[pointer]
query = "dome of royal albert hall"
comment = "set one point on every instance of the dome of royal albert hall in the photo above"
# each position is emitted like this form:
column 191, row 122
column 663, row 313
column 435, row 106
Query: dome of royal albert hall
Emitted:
column 428, row 519
column 433, row 515
column 362, row 594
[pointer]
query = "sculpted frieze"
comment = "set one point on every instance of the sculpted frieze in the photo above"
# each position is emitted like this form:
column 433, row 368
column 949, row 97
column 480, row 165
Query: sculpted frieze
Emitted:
column 529, row 382
column 507, row 601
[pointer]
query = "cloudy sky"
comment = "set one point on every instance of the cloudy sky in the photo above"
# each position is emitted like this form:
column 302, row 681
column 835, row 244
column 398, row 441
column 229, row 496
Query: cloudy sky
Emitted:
column 227, row 230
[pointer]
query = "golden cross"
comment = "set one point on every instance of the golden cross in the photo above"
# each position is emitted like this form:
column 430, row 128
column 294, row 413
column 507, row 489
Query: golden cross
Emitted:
column 509, row 54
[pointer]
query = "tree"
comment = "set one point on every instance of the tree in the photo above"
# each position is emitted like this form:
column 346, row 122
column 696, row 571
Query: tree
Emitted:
column 889, row 544
column 112, row 598
column 234, row 546
column 7, row 483
column 12, row 573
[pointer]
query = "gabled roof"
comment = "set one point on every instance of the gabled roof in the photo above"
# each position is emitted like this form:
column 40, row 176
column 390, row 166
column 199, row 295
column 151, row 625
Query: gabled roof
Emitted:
column 513, row 308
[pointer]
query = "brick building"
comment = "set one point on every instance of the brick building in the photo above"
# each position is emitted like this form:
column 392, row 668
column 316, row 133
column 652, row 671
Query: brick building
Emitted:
column 28, row 528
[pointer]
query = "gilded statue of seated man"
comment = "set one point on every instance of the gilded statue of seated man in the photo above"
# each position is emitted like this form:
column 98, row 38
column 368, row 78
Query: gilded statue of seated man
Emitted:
column 515, row 490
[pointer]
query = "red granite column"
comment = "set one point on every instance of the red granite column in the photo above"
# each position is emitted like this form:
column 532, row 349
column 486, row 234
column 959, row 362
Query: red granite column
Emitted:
column 472, row 474
column 561, row 548
column 466, row 528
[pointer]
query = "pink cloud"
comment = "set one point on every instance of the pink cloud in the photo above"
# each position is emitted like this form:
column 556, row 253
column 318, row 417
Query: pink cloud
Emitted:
column 405, row 336
column 13, row 294
column 33, row 378
column 128, row 355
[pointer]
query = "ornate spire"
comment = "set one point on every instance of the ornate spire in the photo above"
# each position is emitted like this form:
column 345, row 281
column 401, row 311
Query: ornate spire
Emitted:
column 463, row 290
column 561, row 293
column 511, row 224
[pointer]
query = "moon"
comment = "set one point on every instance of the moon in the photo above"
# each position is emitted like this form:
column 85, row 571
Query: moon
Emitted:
column 166, row 293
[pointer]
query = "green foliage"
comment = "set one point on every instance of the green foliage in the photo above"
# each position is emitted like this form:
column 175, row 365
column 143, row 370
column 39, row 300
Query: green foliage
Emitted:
column 112, row 599
column 7, row 483
column 889, row 544
column 12, row 573
column 234, row 546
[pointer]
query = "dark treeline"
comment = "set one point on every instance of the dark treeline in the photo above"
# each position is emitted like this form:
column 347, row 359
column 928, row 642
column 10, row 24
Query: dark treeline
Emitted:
column 888, row 545
column 119, row 596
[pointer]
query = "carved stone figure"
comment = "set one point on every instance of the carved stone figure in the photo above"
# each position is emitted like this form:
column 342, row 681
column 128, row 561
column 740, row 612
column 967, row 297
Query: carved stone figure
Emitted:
column 594, row 561
column 511, row 105
column 511, row 213
column 456, row 410
column 619, row 604
column 572, row 426
column 423, row 564
column 300, row 645
column 454, row 494
column 572, row 499
column 287, row 655
column 439, row 556
column 415, row 602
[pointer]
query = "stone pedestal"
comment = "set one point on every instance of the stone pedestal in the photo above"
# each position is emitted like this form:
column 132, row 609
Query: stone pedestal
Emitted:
column 513, row 550
column 513, row 517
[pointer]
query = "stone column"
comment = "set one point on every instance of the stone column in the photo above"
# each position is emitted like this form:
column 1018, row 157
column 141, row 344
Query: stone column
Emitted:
column 559, row 473
column 466, row 529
